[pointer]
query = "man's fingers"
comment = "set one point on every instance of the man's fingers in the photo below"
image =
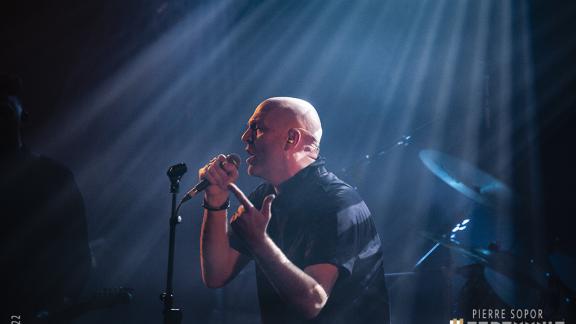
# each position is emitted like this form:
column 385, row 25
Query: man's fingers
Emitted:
column 229, row 167
column 220, row 172
column 202, row 172
column 267, row 205
column 240, row 196
column 213, row 176
column 237, row 214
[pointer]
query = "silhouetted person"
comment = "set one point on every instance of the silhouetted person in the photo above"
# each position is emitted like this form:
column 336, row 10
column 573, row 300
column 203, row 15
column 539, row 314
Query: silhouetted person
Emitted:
column 44, row 249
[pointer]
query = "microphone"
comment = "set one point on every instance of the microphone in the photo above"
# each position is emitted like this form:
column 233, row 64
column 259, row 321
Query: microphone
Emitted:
column 200, row 186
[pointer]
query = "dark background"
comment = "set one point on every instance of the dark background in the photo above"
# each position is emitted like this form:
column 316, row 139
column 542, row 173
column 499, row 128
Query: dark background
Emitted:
column 120, row 90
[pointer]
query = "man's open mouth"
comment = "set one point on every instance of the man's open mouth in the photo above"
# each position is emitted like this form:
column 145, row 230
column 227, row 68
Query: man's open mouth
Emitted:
column 251, row 157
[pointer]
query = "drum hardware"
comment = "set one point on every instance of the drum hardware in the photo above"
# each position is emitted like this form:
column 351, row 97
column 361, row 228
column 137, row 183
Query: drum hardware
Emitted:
column 465, row 178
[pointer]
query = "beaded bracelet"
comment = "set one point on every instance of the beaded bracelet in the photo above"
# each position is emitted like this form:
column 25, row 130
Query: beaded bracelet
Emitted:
column 224, row 206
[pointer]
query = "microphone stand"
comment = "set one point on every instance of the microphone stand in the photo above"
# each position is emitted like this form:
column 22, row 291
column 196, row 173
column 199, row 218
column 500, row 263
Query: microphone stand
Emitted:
column 172, row 315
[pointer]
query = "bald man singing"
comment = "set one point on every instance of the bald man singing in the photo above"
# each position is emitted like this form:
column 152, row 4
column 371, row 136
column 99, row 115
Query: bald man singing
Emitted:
column 317, row 252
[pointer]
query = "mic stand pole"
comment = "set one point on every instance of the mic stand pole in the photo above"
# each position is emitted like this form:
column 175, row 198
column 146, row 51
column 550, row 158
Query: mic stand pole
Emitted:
column 172, row 315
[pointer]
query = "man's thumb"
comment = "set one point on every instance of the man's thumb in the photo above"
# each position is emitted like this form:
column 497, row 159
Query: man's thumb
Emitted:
column 267, row 205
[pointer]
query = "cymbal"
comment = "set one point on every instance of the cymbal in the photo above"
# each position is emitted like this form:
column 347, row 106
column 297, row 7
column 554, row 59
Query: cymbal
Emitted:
column 501, row 261
column 455, row 245
column 505, row 272
column 466, row 178
column 517, row 281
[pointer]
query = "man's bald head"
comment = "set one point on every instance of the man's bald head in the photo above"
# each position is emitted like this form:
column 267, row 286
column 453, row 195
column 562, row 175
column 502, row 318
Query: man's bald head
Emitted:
column 294, row 113
column 282, row 138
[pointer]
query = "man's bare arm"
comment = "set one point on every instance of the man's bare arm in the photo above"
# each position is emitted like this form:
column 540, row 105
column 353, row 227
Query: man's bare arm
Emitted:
column 306, row 290
column 218, row 260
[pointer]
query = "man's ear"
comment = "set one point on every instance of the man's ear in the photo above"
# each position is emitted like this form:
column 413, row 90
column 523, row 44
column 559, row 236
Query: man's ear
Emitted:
column 293, row 139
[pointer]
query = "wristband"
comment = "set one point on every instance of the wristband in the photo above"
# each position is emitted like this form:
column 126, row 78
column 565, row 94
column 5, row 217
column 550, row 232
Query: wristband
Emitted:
column 224, row 206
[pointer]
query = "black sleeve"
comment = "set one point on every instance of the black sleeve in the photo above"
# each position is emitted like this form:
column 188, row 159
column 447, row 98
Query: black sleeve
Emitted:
column 237, row 243
column 343, row 233
column 63, row 253
column 75, row 262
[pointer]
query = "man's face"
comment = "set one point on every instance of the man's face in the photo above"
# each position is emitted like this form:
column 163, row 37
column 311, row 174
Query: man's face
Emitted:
column 265, row 141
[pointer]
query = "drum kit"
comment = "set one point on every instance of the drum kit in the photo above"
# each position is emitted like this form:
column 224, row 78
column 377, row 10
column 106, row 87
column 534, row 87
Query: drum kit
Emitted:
column 495, row 274
column 492, row 268
column 507, row 278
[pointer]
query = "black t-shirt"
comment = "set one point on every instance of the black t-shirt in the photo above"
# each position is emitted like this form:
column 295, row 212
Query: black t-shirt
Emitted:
column 317, row 218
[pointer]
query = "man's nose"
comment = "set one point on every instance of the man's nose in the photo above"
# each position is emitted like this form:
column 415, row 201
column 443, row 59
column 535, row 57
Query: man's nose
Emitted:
column 247, row 136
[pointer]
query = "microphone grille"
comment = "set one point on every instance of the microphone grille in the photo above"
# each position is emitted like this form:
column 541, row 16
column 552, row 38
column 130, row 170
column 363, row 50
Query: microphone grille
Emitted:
column 234, row 158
